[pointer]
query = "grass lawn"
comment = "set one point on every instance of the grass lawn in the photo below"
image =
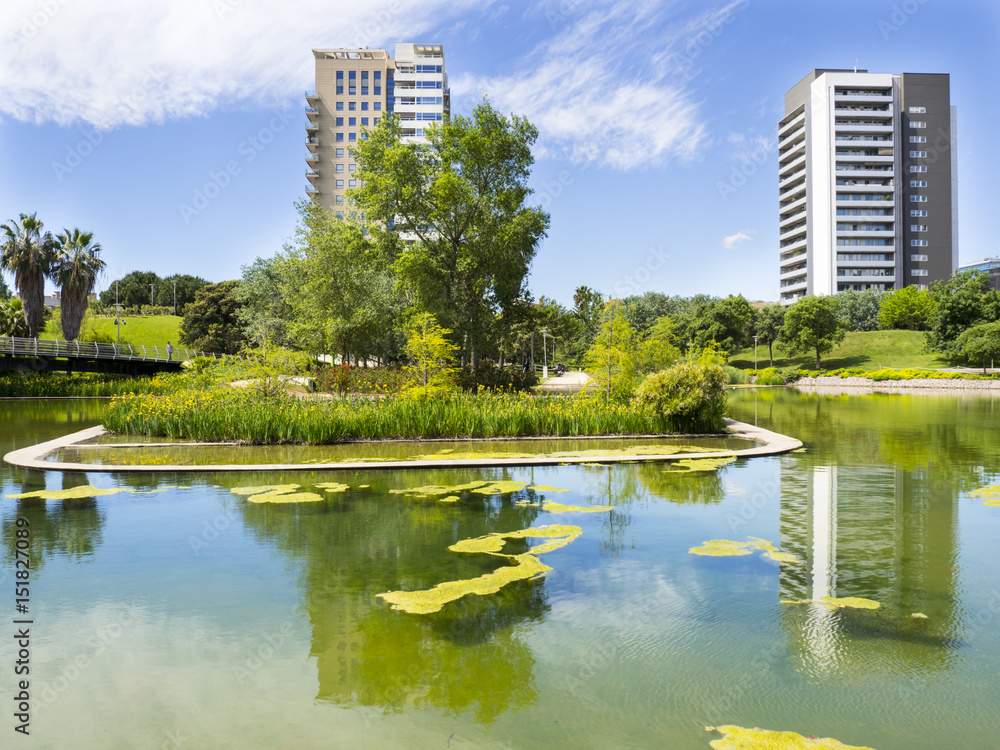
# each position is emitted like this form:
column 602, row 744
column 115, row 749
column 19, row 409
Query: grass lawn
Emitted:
column 140, row 330
column 869, row 349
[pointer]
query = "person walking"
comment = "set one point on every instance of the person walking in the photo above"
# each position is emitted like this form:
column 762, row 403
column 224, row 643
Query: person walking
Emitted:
column 170, row 351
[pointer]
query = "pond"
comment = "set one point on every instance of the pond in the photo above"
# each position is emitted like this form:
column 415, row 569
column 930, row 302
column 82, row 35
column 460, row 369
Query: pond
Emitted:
column 175, row 612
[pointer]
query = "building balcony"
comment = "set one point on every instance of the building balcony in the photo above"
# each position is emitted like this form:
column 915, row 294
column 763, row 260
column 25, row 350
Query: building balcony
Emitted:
column 860, row 187
column 312, row 127
column 787, row 234
column 862, row 112
column 790, row 219
column 788, row 247
column 864, row 158
column 787, row 182
column 870, row 233
column 312, row 96
column 312, row 158
column 789, row 126
column 789, row 209
column 792, row 258
column 793, row 284
column 794, row 271
column 312, row 190
column 861, row 127
column 874, row 98
column 312, row 143
column 312, row 174
column 792, row 166
column 312, row 113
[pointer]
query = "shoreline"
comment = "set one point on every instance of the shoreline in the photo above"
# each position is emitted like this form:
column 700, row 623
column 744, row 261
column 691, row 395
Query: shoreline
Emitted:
column 925, row 385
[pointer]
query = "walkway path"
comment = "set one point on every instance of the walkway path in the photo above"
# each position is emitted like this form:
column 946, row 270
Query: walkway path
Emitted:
column 569, row 382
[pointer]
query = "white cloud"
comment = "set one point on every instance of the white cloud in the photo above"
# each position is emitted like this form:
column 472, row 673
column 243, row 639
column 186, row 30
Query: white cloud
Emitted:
column 609, row 85
column 118, row 62
column 733, row 241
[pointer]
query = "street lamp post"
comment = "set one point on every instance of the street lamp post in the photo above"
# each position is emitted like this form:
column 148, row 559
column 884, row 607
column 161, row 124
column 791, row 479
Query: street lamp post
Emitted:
column 151, row 303
column 545, row 355
column 755, row 352
column 175, row 298
column 118, row 317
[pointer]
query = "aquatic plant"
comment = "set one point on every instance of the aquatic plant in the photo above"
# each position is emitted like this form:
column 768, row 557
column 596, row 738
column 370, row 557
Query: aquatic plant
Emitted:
column 990, row 495
column 740, row 738
column 831, row 602
column 277, row 493
column 730, row 548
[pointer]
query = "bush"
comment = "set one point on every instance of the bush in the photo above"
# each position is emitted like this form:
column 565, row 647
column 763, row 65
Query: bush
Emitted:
column 736, row 375
column 367, row 381
column 690, row 396
column 491, row 377
column 769, row 376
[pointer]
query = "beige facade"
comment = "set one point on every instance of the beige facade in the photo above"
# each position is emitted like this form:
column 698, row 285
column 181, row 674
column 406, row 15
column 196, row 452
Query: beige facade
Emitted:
column 355, row 89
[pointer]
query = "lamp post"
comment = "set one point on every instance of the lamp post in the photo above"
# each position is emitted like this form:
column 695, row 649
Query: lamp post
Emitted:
column 151, row 303
column 175, row 298
column 545, row 355
column 118, row 316
column 755, row 352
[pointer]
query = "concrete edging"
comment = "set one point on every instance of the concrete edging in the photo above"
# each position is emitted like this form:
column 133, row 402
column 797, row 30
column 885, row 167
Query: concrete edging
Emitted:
column 33, row 457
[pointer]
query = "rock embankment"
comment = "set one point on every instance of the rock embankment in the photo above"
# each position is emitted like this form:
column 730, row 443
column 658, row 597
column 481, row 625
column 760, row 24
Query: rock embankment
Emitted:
column 885, row 386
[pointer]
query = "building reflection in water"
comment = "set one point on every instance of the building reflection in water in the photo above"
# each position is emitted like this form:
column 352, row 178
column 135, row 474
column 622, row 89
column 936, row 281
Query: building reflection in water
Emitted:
column 878, row 533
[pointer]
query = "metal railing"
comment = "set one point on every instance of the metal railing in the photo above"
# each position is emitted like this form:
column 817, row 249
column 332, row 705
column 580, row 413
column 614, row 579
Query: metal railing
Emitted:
column 12, row 345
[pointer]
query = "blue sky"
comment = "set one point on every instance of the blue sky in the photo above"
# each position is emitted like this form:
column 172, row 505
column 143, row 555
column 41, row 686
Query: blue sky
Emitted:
column 115, row 115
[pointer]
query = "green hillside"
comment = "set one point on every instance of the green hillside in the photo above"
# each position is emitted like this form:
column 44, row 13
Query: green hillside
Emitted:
column 870, row 349
column 140, row 330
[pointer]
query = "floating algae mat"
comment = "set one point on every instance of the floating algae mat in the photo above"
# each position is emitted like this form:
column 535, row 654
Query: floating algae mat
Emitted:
column 526, row 566
column 81, row 492
column 432, row 490
column 739, row 738
column 832, row 602
column 990, row 495
column 278, row 493
column 700, row 464
column 560, row 508
column 546, row 488
column 729, row 548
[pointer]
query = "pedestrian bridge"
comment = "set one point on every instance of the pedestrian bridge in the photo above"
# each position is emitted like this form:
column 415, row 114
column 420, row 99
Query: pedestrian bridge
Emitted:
column 39, row 355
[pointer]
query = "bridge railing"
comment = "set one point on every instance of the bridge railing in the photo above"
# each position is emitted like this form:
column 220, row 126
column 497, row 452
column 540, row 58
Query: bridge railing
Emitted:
column 51, row 348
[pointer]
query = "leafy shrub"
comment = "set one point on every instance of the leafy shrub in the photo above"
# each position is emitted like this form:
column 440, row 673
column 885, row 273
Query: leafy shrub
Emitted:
column 769, row 376
column 690, row 396
column 367, row 381
column 491, row 377
column 736, row 375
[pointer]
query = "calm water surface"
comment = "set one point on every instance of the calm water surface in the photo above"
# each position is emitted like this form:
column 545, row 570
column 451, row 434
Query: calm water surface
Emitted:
column 181, row 615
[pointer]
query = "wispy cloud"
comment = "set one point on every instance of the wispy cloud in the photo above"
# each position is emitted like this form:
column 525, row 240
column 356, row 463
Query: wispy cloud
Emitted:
column 608, row 85
column 120, row 62
column 733, row 241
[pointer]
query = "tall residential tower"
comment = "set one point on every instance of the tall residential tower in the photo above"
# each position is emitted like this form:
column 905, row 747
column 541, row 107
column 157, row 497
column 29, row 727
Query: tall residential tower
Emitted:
column 867, row 183
column 355, row 88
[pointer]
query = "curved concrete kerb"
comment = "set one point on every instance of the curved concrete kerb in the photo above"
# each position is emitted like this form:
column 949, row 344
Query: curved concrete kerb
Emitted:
column 33, row 457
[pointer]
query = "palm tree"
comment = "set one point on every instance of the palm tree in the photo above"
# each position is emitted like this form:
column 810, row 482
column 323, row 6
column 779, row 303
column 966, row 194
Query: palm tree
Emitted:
column 27, row 253
column 75, row 268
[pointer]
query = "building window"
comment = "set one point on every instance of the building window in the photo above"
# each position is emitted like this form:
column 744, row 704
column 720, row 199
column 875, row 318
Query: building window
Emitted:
column 375, row 122
column 364, row 106
column 340, row 90
column 918, row 183
column 340, row 122
column 340, row 106
column 340, row 168
column 353, row 137
column 918, row 139
column 918, row 124
column 353, row 121
column 352, row 90
column 918, row 212
column 340, row 75
column 352, row 183
column 378, row 90
column 352, row 106
column 364, row 91
column 339, row 200
column 377, row 106
column 918, row 272
column 340, row 153
column 918, row 199
column 918, row 154
column 352, row 167
column 918, row 168
column 918, row 243
column 340, row 184
column 340, row 215
column 364, row 121
column 353, row 75
column 918, row 110
column 340, row 137
column 918, row 227
column 364, row 74
column 918, row 258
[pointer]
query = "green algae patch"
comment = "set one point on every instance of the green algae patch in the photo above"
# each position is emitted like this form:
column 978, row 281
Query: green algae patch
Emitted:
column 740, row 738
column 289, row 497
column 432, row 490
column 546, row 488
column 730, row 548
column 500, row 488
column 700, row 464
column 526, row 504
column 265, row 489
column 524, row 566
column 552, row 507
column 73, row 493
column 831, row 602
column 453, row 455
column 333, row 486
column 919, row 616
column 449, row 499
column 990, row 495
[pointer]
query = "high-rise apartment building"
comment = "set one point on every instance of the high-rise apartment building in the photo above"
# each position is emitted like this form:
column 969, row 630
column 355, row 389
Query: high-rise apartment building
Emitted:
column 867, row 183
column 355, row 88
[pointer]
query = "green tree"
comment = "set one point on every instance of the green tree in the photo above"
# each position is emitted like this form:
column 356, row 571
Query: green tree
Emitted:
column 981, row 344
column 690, row 396
column 264, row 312
column 658, row 349
column 432, row 357
column 811, row 324
column 187, row 288
column 962, row 302
column 210, row 322
column 588, row 306
column 12, row 321
column 462, row 197
column 133, row 290
column 908, row 308
column 611, row 358
column 28, row 253
column 767, row 323
column 339, row 289
column 4, row 290
column 75, row 268
column 858, row 311
column 725, row 321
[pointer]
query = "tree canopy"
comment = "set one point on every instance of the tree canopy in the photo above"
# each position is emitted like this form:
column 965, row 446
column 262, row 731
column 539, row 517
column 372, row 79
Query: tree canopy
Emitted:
column 811, row 324
column 210, row 322
column 909, row 308
column 964, row 301
column 27, row 252
column 75, row 268
column 452, row 215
